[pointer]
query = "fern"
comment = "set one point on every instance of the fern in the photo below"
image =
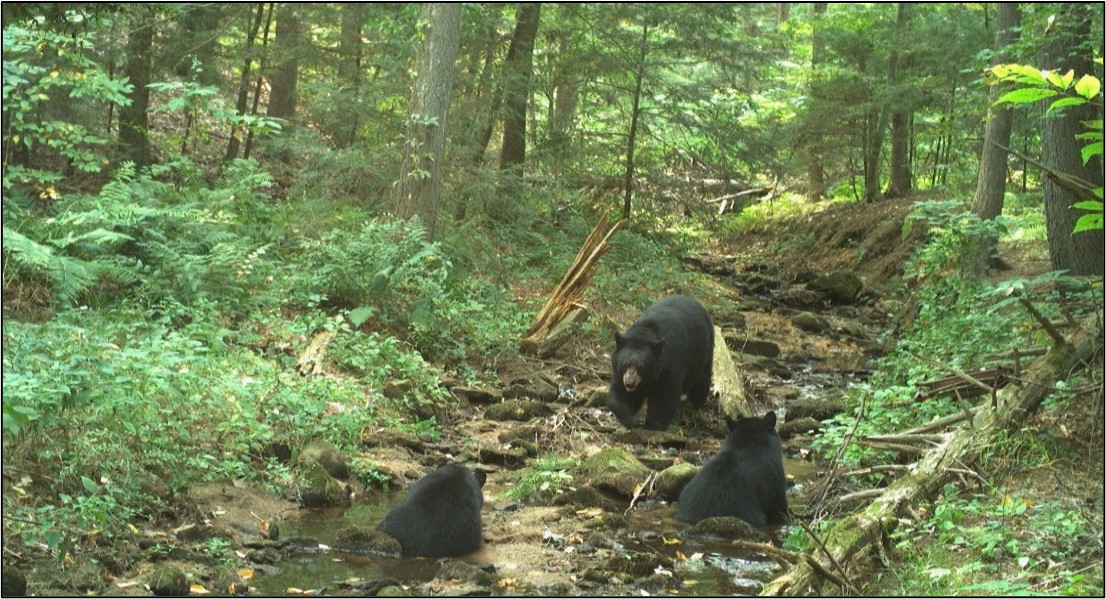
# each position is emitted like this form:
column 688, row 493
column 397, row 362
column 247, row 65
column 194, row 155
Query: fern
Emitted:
column 69, row 277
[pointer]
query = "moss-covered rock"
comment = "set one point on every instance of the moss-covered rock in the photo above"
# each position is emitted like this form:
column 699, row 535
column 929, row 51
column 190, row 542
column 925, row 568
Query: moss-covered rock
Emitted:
column 518, row 410
column 364, row 541
column 168, row 581
column 726, row 527
column 842, row 287
column 810, row 322
column 672, row 480
column 12, row 582
column 586, row 497
column 320, row 489
column 614, row 469
column 333, row 461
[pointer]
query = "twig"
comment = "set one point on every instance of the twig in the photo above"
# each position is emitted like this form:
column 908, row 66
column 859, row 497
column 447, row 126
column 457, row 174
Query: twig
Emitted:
column 638, row 492
column 844, row 580
column 904, row 438
column 880, row 468
column 1046, row 324
column 941, row 423
column 830, row 477
column 782, row 557
column 959, row 373
column 865, row 494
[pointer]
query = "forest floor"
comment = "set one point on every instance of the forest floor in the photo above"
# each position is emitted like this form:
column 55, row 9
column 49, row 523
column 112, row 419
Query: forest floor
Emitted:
column 562, row 542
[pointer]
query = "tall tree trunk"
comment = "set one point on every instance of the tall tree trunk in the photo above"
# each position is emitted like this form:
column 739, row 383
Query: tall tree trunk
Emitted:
column 349, row 74
column 635, row 115
column 285, row 78
column 201, row 24
column 516, row 86
column 421, row 172
column 991, row 184
column 566, row 96
column 260, row 78
column 815, row 174
column 133, row 121
column 238, row 132
column 1083, row 253
column 902, row 179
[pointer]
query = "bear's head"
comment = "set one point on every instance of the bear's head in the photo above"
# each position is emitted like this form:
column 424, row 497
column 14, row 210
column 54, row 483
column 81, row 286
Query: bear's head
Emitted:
column 745, row 430
column 636, row 358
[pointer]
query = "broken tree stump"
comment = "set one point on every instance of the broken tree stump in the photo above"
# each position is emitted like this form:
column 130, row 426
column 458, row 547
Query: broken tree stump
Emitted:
column 727, row 381
column 543, row 337
column 852, row 535
column 311, row 362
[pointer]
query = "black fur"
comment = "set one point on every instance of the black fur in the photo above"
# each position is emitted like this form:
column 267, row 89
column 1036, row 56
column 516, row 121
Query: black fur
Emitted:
column 440, row 516
column 745, row 479
column 671, row 346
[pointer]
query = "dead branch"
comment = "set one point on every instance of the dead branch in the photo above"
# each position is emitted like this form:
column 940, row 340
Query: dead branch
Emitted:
column 940, row 423
column 1046, row 324
column 311, row 362
column 727, row 380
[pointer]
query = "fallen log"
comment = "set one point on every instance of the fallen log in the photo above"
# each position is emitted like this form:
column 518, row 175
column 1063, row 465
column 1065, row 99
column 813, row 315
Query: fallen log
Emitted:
column 849, row 537
column 311, row 362
column 727, row 381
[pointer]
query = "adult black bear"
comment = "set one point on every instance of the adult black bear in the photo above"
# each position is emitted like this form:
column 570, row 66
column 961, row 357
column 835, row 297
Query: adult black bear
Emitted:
column 666, row 353
column 440, row 516
column 745, row 479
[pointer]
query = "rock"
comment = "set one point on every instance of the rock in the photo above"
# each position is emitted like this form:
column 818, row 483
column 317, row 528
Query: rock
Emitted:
column 281, row 451
column 478, row 396
column 320, row 489
column 817, row 409
column 842, row 287
column 638, row 565
column 614, row 469
column 322, row 452
column 389, row 437
column 541, row 388
column 640, row 436
column 657, row 463
column 753, row 347
column 597, row 398
column 798, row 426
column 193, row 533
column 518, row 410
column 499, row 455
column 168, row 581
column 672, row 480
column 586, row 497
column 810, row 322
column 392, row 590
column 726, row 527
column 364, row 541
column 12, row 582
column 772, row 366
column 459, row 570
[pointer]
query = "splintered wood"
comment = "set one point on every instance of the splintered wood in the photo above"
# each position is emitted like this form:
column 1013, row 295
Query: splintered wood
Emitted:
column 548, row 330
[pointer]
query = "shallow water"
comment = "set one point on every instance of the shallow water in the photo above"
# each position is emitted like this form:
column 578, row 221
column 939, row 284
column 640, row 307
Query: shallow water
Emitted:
column 707, row 566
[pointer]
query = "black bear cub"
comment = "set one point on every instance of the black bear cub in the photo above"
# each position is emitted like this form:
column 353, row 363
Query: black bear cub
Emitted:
column 745, row 479
column 440, row 516
column 668, row 352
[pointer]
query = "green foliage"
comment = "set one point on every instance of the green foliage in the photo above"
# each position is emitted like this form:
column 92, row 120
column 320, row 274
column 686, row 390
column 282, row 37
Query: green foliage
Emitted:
column 957, row 238
column 1046, row 85
column 546, row 477
column 41, row 69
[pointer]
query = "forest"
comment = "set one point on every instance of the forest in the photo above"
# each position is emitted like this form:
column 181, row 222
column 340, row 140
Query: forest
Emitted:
column 278, row 276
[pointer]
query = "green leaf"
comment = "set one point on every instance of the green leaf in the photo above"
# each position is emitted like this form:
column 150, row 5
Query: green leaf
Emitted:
column 1088, row 205
column 1088, row 222
column 1088, row 86
column 89, row 485
column 1090, row 151
column 358, row 316
column 1064, row 103
column 1019, row 73
column 1060, row 81
column 1027, row 95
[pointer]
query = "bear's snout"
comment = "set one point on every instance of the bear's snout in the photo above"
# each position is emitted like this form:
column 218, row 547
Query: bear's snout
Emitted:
column 631, row 379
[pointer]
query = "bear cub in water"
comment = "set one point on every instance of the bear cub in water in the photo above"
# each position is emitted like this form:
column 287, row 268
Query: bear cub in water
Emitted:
column 745, row 479
column 668, row 352
column 440, row 516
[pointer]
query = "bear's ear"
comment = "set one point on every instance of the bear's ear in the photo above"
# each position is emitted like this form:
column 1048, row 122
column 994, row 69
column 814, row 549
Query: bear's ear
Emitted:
column 481, row 476
column 769, row 420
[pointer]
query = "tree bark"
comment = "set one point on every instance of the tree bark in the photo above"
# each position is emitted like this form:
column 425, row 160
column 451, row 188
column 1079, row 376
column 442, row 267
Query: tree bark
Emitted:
column 423, row 153
column 1080, row 254
column 815, row 175
column 260, row 77
column 635, row 115
column 991, row 185
column 133, row 121
column 285, row 77
column 516, row 86
column 349, row 74
column 237, row 132
column 902, row 179
column 849, row 537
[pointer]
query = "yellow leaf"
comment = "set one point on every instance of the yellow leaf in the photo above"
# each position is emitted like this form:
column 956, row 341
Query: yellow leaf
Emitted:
column 198, row 589
column 245, row 573
column 132, row 528
column 668, row 541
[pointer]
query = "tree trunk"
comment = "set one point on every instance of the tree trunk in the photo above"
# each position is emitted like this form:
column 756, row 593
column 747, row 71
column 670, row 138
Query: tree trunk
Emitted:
column 1080, row 254
column 991, row 184
column 289, row 33
column 421, row 172
column 201, row 24
column 237, row 132
column 815, row 174
column 260, row 78
column 566, row 95
column 133, row 121
column 902, row 179
column 347, row 120
column 635, row 114
column 516, row 88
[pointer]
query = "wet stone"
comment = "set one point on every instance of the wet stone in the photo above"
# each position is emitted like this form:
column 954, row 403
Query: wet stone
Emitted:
column 364, row 541
column 815, row 408
column 168, row 581
column 727, row 527
column 799, row 426
column 614, row 469
column 673, row 479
